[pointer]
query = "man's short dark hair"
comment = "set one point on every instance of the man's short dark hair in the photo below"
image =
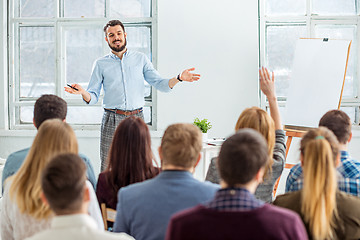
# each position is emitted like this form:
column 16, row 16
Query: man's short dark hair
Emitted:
column 242, row 156
column 48, row 107
column 112, row 23
column 339, row 123
column 63, row 183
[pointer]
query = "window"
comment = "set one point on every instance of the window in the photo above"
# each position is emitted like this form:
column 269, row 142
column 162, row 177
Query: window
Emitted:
column 55, row 42
column 282, row 22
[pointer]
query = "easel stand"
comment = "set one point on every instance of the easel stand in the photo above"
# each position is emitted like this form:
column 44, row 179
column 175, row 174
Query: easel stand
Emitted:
column 290, row 133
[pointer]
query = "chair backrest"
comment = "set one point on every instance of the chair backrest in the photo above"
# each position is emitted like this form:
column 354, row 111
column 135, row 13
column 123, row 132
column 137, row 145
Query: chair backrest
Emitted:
column 108, row 214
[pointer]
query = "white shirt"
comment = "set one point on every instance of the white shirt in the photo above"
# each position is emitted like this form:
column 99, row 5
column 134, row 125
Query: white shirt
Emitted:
column 77, row 227
column 17, row 226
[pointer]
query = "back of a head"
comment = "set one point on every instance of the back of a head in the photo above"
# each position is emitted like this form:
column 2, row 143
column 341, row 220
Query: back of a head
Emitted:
column 339, row 123
column 259, row 120
column 181, row 145
column 130, row 156
column 48, row 107
column 54, row 137
column 131, row 145
column 319, row 149
column 241, row 157
column 63, row 183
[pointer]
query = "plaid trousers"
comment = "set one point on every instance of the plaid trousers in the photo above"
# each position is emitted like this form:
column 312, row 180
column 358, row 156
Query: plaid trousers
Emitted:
column 109, row 123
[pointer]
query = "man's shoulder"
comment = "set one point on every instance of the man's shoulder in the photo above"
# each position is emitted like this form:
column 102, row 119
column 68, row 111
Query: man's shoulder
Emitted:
column 18, row 154
column 188, row 213
column 15, row 159
column 296, row 170
column 160, row 182
column 139, row 187
column 279, row 211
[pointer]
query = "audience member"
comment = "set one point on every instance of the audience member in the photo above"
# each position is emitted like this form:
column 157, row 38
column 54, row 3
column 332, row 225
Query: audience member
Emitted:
column 130, row 161
column 46, row 107
column 65, row 191
column 326, row 212
column 271, row 128
column 144, row 209
column 235, row 213
column 23, row 213
column 340, row 124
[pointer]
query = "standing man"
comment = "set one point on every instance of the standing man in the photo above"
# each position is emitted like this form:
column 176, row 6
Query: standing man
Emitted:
column 122, row 74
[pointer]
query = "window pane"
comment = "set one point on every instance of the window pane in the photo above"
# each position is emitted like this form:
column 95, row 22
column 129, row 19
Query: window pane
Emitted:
column 343, row 32
column 280, row 48
column 84, row 115
column 84, row 8
column 147, row 93
column 285, row 7
column 37, row 8
column 351, row 112
column 139, row 39
column 147, row 115
column 130, row 8
column 37, row 61
column 26, row 114
column 334, row 7
column 83, row 47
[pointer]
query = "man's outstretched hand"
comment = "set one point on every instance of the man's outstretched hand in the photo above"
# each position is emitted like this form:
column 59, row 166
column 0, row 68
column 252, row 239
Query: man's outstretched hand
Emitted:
column 188, row 76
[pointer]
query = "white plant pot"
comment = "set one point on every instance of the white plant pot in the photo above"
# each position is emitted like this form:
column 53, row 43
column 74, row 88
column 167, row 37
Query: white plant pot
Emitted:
column 204, row 137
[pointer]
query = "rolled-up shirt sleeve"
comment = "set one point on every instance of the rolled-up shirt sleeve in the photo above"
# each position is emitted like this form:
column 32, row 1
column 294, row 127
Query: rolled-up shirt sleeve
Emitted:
column 95, row 83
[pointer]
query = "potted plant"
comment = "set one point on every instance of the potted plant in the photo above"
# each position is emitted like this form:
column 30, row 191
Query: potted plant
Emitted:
column 204, row 126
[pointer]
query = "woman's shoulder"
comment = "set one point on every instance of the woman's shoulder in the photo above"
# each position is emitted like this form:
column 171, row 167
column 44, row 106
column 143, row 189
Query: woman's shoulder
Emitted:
column 288, row 200
column 348, row 203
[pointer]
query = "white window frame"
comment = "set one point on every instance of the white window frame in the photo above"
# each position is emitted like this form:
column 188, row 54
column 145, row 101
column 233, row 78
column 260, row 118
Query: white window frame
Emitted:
column 60, row 23
column 310, row 20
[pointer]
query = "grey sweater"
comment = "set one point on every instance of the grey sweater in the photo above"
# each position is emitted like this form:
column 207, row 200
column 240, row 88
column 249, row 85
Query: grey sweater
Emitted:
column 265, row 189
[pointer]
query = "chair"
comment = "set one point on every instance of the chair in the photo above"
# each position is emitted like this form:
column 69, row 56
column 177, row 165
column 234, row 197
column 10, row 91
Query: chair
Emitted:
column 108, row 214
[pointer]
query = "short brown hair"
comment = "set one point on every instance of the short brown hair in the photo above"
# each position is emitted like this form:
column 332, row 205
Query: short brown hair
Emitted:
column 339, row 123
column 112, row 23
column 63, row 183
column 181, row 145
column 241, row 157
column 49, row 106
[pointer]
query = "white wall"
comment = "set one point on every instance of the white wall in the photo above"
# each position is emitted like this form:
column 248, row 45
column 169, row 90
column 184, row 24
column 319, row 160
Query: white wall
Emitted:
column 219, row 38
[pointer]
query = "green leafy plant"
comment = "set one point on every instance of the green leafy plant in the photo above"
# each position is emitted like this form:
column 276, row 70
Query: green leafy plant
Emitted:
column 204, row 124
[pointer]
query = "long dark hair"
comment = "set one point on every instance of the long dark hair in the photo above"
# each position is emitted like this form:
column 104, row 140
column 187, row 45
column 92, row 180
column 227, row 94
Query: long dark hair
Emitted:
column 130, row 156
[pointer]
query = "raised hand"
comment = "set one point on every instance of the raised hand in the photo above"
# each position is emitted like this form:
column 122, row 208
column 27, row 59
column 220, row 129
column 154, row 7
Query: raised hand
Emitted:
column 267, row 83
column 187, row 76
column 267, row 86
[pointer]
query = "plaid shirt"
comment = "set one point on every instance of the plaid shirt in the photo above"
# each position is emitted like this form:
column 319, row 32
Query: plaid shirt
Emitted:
column 234, row 199
column 348, row 181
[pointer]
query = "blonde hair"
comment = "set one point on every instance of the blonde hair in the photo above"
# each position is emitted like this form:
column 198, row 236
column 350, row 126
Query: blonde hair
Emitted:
column 181, row 145
column 54, row 137
column 257, row 119
column 319, row 149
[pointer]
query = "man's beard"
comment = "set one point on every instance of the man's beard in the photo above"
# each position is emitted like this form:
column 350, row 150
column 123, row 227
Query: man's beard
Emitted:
column 119, row 48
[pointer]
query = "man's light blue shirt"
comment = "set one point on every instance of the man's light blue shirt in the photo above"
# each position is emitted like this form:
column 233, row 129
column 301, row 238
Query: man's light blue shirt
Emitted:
column 16, row 159
column 123, row 80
